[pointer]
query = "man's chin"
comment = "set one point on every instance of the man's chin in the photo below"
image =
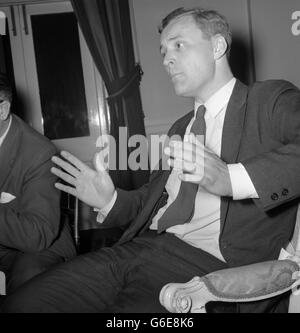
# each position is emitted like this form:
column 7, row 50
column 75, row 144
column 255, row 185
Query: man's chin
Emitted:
column 181, row 92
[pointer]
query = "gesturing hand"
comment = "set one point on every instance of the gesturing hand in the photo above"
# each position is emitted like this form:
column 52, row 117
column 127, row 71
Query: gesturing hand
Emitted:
column 94, row 187
column 200, row 165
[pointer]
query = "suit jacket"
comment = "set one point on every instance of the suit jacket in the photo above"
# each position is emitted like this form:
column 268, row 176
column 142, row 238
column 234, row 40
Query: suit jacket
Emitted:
column 262, row 131
column 31, row 221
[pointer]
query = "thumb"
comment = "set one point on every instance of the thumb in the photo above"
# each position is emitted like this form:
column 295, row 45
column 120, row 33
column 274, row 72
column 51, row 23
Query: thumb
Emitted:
column 98, row 162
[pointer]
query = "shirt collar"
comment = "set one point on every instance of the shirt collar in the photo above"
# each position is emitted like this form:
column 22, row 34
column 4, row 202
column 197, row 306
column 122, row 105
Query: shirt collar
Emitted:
column 218, row 100
column 6, row 131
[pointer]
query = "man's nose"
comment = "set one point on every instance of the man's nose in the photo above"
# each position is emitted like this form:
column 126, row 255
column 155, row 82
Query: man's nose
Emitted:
column 169, row 60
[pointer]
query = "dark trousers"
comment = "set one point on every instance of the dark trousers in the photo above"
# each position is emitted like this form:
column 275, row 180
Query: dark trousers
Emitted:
column 124, row 278
column 20, row 267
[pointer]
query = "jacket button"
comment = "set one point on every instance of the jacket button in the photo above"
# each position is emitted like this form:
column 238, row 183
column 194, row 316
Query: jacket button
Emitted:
column 274, row 196
column 285, row 192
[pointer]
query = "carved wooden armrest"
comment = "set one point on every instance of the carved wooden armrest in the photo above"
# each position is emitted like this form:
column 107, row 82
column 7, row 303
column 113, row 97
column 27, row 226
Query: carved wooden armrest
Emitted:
column 242, row 284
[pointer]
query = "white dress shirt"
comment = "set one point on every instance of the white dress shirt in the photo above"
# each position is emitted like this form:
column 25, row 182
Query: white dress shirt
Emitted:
column 203, row 230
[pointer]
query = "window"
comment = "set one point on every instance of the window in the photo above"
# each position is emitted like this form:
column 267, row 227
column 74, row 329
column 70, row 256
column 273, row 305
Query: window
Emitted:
column 60, row 88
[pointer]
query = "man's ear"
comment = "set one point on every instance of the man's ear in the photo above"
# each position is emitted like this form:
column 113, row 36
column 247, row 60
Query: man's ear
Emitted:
column 219, row 46
column 4, row 110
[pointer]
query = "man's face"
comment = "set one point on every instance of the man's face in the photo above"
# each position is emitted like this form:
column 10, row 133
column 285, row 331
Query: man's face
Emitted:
column 187, row 56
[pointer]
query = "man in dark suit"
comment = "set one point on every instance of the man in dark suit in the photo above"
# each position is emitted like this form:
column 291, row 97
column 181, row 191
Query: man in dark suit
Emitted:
column 31, row 237
column 241, row 156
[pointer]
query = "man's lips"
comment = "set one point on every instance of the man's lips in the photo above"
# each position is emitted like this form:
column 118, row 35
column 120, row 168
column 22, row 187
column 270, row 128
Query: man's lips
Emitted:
column 175, row 75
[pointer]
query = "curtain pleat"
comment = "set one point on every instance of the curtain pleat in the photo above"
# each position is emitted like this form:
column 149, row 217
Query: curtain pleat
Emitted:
column 106, row 27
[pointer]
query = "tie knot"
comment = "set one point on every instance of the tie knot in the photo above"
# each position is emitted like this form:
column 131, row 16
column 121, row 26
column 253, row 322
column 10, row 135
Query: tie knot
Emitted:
column 198, row 127
column 200, row 112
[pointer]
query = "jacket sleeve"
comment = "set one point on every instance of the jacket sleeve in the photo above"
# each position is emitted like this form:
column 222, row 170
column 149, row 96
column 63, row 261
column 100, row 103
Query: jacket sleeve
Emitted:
column 31, row 222
column 127, row 207
column 129, row 203
column 276, row 173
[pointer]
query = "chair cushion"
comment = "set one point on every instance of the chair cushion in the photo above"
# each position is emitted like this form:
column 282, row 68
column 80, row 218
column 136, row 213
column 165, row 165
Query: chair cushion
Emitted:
column 252, row 282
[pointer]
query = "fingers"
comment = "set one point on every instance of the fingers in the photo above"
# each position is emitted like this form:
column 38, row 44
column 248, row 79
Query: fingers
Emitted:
column 66, row 189
column 188, row 157
column 179, row 164
column 177, row 152
column 187, row 146
column 66, row 166
column 64, row 176
column 74, row 160
column 189, row 152
column 191, row 178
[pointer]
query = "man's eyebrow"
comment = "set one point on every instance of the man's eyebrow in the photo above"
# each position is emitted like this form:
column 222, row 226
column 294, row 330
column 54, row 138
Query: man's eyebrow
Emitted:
column 170, row 39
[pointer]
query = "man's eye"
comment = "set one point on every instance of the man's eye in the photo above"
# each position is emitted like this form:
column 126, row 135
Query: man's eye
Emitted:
column 178, row 45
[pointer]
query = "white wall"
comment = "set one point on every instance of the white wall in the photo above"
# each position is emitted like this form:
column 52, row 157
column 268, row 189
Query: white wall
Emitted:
column 276, row 45
column 276, row 48
column 161, row 105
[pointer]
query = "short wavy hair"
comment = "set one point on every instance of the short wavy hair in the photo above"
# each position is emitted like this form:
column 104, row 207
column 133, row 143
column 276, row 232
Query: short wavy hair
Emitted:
column 210, row 22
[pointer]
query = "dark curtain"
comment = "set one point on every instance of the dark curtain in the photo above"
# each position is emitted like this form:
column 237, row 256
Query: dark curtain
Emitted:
column 107, row 30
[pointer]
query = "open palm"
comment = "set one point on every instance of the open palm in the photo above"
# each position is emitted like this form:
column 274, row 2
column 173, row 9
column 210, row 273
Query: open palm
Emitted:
column 94, row 187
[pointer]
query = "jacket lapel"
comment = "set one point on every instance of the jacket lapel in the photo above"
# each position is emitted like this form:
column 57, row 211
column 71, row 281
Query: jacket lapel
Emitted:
column 180, row 130
column 234, row 123
column 232, row 133
column 183, row 125
column 164, row 174
column 8, row 151
column 155, row 189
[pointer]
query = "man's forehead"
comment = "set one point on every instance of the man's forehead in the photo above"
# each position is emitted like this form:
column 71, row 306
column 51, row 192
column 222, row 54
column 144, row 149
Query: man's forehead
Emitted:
column 179, row 22
column 178, row 27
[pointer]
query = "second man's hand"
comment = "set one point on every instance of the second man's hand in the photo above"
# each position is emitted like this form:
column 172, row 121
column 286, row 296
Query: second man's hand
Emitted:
column 94, row 187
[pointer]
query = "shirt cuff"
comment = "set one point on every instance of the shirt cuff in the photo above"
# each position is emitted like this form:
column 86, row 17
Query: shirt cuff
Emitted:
column 103, row 212
column 242, row 186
